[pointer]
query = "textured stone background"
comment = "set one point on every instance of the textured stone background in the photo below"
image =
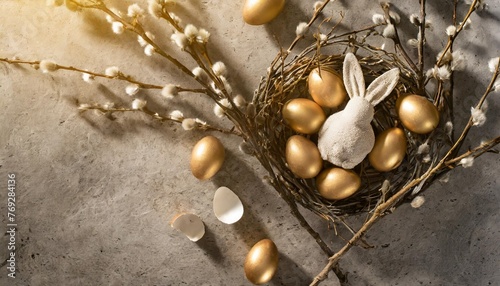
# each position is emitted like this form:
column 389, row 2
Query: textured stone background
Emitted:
column 95, row 196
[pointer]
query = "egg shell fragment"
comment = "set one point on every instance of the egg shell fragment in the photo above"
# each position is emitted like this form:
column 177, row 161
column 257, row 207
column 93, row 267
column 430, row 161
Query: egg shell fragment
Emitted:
column 190, row 225
column 228, row 207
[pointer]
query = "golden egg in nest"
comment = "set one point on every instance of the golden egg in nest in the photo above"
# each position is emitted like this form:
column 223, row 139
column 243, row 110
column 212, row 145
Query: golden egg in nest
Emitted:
column 303, row 157
column 258, row 12
column 337, row 183
column 326, row 87
column 303, row 115
column 207, row 157
column 389, row 150
column 261, row 262
column 417, row 114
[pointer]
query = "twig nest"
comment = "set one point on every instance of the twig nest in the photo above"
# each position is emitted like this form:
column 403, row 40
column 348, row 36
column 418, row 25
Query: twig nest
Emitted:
column 389, row 150
column 369, row 123
column 337, row 183
column 227, row 206
column 417, row 113
column 190, row 225
column 207, row 158
column 303, row 115
column 258, row 12
column 303, row 157
column 326, row 87
column 261, row 262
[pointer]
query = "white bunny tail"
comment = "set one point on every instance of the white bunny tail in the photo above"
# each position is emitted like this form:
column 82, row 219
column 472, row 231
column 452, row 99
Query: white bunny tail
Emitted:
column 354, row 81
column 382, row 86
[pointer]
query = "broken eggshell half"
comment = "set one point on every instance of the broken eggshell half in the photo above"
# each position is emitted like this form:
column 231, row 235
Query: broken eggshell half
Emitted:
column 189, row 224
column 228, row 207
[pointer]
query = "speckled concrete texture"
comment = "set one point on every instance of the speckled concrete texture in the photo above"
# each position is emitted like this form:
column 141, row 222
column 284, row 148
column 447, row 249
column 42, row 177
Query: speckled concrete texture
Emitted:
column 95, row 196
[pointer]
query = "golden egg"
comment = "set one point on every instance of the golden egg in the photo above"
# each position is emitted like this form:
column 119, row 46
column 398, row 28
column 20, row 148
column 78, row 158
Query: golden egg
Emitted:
column 207, row 157
column 389, row 150
column 417, row 113
column 303, row 115
column 337, row 183
column 303, row 157
column 261, row 262
column 326, row 87
column 258, row 12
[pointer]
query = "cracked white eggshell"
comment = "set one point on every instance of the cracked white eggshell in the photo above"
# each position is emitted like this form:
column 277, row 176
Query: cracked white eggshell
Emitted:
column 190, row 225
column 227, row 206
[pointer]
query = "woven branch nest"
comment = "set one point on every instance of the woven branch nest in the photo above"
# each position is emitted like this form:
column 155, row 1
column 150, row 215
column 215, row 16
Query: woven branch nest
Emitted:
column 288, row 80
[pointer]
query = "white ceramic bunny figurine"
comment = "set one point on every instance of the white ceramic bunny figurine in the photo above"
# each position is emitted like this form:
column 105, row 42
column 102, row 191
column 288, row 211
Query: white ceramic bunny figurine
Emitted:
column 347, row 137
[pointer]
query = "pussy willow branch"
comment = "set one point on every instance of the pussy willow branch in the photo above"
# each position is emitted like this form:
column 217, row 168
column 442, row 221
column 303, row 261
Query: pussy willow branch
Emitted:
column 448, row 96
column 234, row 115
column 138, row 29
column 311, row 21
column 205, row 62
column 476, row 152
column 460, row 27
column 135, row 26
column 478, row 106
column 397, row 42
column 162, row 118
column 121, row 76
column 198, row 47
column 444, row 163
column 284, row 54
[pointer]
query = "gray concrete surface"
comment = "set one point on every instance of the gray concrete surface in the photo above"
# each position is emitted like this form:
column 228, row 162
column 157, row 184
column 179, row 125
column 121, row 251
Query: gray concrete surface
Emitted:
column 95, row 197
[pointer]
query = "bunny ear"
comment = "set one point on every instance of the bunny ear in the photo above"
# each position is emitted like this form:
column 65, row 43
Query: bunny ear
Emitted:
column 382, row 86
column 353, row 76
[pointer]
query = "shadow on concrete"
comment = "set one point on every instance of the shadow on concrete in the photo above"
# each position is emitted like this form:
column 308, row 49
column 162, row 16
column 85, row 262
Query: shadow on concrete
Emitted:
column 290, row 17
column 209, row 245
column 289, row 273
